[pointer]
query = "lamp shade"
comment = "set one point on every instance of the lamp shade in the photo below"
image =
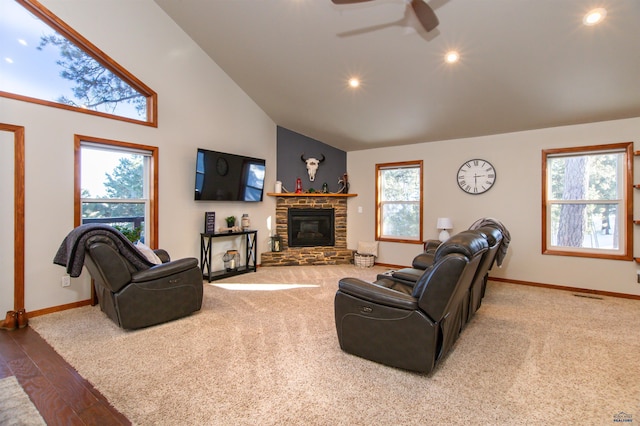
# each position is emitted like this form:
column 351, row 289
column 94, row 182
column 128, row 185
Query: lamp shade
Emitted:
column 444, row 223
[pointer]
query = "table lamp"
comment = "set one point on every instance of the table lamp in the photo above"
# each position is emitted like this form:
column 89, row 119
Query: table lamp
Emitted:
column 444, row 223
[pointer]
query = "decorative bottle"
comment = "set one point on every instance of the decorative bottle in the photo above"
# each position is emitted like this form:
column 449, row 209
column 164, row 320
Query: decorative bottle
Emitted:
column 245, row 223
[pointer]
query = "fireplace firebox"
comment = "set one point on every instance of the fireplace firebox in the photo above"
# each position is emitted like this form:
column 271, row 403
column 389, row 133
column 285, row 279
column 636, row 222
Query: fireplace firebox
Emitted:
column 311, row 227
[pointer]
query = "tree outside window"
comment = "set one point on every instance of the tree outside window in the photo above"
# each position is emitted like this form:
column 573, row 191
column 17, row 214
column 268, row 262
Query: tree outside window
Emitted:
column 399, row 202
column 47, row 62
column 92, row 85
column 587, row 207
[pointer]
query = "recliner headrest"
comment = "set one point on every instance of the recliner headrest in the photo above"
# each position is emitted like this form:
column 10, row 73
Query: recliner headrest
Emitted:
column 493, row 235
column 467, row 243
column 100, row 239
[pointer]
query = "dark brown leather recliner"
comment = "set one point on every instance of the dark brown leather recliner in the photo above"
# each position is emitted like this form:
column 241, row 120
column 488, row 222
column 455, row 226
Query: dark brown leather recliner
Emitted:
column 135, row 296
column 410, row 327
column 494, row 237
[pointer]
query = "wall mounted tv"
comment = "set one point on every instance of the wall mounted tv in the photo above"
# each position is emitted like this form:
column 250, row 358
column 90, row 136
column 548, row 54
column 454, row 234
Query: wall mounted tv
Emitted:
column 228, row 177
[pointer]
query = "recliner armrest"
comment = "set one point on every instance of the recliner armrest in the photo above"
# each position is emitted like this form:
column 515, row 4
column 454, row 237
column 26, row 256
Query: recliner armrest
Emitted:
column 423, row 260
column 375, row 293
column 163, row 255
column 431, row 245
column 164, row 270
column 407, row 275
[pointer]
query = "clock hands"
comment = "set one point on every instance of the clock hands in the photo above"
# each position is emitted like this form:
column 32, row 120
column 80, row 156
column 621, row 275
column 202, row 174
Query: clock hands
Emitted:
column 476, row 176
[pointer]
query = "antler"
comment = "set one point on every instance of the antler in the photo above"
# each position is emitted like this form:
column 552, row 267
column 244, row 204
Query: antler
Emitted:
column 305, row 160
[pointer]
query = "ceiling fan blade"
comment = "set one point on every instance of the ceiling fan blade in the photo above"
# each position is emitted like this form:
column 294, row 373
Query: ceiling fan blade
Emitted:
column 425, row 14
column 348, row 1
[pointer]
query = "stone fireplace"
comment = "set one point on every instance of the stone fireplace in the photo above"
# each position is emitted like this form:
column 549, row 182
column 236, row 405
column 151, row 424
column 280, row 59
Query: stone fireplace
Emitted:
column 315, row 208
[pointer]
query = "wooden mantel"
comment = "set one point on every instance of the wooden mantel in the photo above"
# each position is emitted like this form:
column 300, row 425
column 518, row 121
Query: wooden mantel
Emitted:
column 308, row 194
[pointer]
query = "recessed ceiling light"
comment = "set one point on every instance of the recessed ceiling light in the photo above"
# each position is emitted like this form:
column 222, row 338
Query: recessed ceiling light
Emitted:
column 452, row 57
column 354, row 82
column 594, row 16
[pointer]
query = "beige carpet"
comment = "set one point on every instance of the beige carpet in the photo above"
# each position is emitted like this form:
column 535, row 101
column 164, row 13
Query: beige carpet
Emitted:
column 530, row 356
column 16, row 409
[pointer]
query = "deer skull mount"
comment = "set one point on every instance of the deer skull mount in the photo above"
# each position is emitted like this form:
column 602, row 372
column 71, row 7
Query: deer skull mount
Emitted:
column 312, row 165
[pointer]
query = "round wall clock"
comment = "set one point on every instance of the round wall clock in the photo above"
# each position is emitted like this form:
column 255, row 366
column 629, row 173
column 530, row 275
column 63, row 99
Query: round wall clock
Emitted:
column 222, row 167
column 476, row 176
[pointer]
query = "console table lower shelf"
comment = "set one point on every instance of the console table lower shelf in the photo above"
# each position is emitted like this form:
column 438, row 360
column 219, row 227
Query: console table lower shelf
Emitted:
column 250, row 255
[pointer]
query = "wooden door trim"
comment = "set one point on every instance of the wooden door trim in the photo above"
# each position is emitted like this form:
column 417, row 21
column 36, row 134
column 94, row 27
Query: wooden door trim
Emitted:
column 18, row 216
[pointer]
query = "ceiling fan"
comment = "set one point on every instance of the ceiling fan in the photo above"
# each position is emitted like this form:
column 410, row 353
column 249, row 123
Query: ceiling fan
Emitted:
column 423, row 12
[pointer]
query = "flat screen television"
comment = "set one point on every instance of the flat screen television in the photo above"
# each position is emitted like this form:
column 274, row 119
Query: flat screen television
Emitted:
column 228, row 177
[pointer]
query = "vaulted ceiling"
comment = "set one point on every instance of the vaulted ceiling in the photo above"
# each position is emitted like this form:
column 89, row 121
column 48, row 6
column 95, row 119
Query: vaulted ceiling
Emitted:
column 524, row 64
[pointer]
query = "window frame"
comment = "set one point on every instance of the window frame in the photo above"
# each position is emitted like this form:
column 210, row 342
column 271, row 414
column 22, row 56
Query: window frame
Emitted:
column 626, row 210
column 151, row 227
column 378, row 206
column 46, row 16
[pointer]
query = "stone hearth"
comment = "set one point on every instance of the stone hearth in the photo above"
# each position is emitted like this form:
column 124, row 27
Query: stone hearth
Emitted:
column 338, row 254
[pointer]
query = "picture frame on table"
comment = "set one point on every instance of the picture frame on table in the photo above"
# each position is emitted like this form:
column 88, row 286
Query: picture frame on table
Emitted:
column 209, row 222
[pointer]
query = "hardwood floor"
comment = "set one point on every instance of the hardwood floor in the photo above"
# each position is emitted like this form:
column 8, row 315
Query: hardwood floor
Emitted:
column 60, row 394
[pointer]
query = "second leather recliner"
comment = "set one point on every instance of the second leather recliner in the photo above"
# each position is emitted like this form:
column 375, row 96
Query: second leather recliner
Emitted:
column 410, row 327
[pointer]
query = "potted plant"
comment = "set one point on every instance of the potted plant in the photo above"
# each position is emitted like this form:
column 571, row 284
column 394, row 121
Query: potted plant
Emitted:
column 231, row 221
column 132, row 235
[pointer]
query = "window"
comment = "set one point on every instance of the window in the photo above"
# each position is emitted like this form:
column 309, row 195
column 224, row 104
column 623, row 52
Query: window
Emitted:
column 46, row 62
column 116, row 184
column 587, row 201
column 399, row 202
column 253, row 181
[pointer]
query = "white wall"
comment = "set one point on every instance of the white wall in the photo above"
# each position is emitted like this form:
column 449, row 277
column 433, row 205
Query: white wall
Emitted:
column 198, row 106
column 515, row 200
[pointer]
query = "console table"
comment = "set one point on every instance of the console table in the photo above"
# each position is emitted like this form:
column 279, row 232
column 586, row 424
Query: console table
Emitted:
column 250, row 252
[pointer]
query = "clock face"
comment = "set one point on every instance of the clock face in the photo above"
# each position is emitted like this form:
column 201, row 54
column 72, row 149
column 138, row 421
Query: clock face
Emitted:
column 476, row 176
column 222, row 167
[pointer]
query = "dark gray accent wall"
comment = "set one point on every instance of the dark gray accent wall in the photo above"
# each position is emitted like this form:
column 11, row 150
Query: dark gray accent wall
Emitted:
column 291, row 145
